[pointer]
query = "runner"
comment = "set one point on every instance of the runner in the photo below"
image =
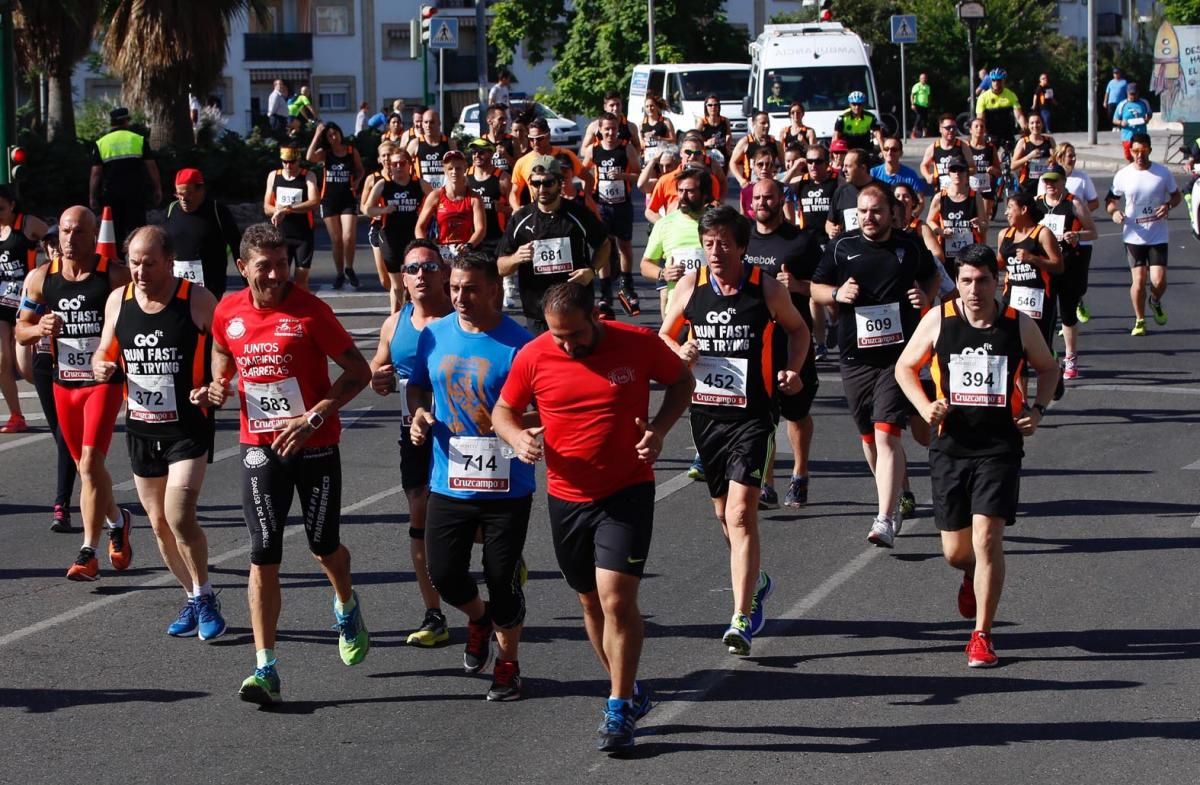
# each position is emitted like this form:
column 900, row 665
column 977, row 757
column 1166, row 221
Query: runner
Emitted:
column 627, row 130
column 843, row 208
column 941, row 151
column 789, row 255
column 733, row 309
column 156, row 335
column 796, row 131
column 548, row 242
column 64, row 302
column 1030, row 258
column 539, row 140
column 396, row 200
column 343, row 175
column 616, row 173
column 203, row 233
column 278, row 338
column 813, row 196
column 504, row 153
column 492, row 186
column 743, row 152
column 1033, row 154
column 1131, row 116
column 957, row 214
column 477, row 483
column 986, row 165
column 291, row 197
column 429, row 147
column 376, row 222
column 592, row 383
column 1071, row 222
column 977, row 345
column 656, row 129
column 656, row 170
column 892, row 172
column 857, row 127
column 665, row 192
column 1149, row 192
column 919, row 102
column 392, row 366
column 19, row 237
column 880, row 279
column 1079, row 184
column 455, row 210
column 673, row 249
column 715, row 130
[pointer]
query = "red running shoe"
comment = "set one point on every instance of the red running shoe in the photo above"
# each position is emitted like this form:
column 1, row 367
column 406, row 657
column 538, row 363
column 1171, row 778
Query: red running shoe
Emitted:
column 120, row 549
column 16, row 424
column 85, row 567
column 980, row 653
column 966, row 597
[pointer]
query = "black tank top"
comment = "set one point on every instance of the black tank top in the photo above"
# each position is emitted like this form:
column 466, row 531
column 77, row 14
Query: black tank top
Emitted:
column 489, row 192
column 18, row 255
column 983, row 158
column 1032, row 171
column 978, row 371
column 81, row 306
column 1027, row 286
column 957, row 216
column 339, row 169
column 165, row 356
column 718, row 130
column 296, row 226
column 789, row 137
column 608, row 163
column 499, row 159
column 1059, row 219
column 659, row 129
column 752, row 148
column 400, row 227
column 734, row 333
column 429, row 161
column 942, row 158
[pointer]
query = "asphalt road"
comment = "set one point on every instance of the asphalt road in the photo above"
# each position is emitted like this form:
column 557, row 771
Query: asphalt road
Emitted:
column 859, row 676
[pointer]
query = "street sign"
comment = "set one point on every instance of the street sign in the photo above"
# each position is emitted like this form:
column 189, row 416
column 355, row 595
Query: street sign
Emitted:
column 443, row 33
column 904, row 29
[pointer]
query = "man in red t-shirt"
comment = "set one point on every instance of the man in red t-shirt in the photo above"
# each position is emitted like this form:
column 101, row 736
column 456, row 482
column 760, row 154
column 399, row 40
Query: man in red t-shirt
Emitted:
column 277, row 336
column 591, row 381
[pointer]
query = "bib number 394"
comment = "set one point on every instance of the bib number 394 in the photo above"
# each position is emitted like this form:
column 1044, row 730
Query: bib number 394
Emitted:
column 479, row 464
column 978, row 380
column 878, row 325
column 552, row 255
column 269, row 405
column 720, row 381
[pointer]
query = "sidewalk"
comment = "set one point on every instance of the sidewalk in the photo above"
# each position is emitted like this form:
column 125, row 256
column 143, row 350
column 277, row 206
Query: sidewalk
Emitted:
column 1107, row 155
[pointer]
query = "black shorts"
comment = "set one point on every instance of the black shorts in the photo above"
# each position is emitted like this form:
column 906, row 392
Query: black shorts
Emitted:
column 612, row 533
column 874, row 395
column 268, row 485
column 734, row 451
column 151, row 457
column 1071, row 286
column 415, row 462
column 373, row 235
column 300, row 251
column 962, row 487
column 795, row 408
column 618, row 219
column 8, row 314
column 339, row 204
column 1146, row 255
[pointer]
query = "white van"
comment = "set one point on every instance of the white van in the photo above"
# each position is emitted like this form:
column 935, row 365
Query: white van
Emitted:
column 818, row 64
column 684, row 86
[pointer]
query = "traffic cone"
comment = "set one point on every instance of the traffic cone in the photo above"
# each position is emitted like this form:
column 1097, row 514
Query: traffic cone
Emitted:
column 106, row 246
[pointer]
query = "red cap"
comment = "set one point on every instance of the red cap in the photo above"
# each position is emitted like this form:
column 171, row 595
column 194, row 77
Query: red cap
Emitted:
column 839, row 146
column 189, row 177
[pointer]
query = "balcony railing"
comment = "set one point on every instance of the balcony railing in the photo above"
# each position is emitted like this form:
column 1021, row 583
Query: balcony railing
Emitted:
column 281, row 47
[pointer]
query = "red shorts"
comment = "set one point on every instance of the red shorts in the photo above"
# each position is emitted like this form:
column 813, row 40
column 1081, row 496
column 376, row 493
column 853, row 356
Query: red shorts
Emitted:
column 1125, row 147
column 88, row 415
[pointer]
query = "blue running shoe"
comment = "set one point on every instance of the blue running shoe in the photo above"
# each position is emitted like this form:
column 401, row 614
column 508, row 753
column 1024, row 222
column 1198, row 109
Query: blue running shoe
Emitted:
column 212, row 623
column 738, row 636
column 641, row 700
column 261, row 687
column 187, row 624
column 619, row 727
column 696, row 470
column 353, row 640
column 761, row 593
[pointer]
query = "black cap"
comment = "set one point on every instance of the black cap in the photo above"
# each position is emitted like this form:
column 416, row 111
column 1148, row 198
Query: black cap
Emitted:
column 957, row 165
column 118, row 115
column 1054, row 172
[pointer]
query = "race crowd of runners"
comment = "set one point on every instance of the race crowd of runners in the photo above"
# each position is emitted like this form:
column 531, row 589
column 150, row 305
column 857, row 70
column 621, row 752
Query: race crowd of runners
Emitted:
column 940, row 325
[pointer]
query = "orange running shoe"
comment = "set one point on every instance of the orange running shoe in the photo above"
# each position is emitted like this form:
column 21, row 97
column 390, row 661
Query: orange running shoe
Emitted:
column 85, row 567
column 120, row 549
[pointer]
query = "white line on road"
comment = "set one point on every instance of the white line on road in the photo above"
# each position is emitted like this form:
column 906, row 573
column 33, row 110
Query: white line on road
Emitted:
column 1165, row 389
column 24, row 440
column 1194, row 467
column 1196, row 523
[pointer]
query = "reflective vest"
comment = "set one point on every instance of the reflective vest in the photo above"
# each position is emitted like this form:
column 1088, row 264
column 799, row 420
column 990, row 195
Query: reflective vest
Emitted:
column 857, row 126
column 119, row 144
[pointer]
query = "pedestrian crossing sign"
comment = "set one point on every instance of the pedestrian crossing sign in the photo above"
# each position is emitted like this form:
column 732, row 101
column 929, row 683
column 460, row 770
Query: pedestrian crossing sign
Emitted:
column 443, row 33
column 904, row 29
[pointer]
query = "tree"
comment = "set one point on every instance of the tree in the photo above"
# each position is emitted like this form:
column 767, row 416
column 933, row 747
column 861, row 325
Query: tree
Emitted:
column 1181, row 12
column 600, row 41
column 51, row 38
column 162, row 49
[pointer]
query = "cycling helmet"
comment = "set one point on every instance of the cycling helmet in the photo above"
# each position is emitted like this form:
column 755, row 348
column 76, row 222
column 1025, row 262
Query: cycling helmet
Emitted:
column 857, row 97
column 998, row 75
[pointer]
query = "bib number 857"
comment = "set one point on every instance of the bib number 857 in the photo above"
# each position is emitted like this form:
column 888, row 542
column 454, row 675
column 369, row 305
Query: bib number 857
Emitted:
column 77, row 359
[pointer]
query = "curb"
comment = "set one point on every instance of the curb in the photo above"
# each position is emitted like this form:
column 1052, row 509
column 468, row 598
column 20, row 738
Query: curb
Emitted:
column 1107, row 165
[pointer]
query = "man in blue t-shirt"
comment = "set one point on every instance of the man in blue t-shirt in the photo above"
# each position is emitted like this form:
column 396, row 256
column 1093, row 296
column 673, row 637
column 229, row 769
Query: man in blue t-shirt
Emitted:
column 477, row 483
column 1131, row 116
column 891, row 171
column 1114, row 93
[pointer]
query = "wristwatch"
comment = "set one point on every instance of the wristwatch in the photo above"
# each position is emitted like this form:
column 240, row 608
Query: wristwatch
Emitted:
column 315, row 420
column 1039, row 408
column 836, row 289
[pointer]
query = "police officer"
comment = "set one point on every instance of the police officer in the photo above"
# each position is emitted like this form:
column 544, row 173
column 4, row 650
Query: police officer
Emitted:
column 123, row 170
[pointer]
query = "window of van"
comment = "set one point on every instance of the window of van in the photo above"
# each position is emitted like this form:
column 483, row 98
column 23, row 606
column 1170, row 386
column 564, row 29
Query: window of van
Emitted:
column 698, row 85
column 819, row 89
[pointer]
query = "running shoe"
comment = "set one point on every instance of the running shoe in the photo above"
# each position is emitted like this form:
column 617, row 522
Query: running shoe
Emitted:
column 966, row 597
column 353, row 640
column 16, row 424
column 1070, row 367
column 882, row 532
column 641, row 700
column 61, row 522
column 261, row 687
column 762, row 591
column 980, row 653
column 85, row 568
column 212, row 623
column 619, row 727
column 187, row 623
column 1060, row 389
column 478, row 651
column 1160, row 315
column 506, row 681
column 821, row 352
column 1082, row 313
column 628, row 298
column 120, row 548
column 606, row 311
column 797, row 492
column 339, row 281
column 1139, row 328
column 907, row 505
column 352, row 277
column 739, row 635
column 432, row 632
column 696, row 470
column 768, row 499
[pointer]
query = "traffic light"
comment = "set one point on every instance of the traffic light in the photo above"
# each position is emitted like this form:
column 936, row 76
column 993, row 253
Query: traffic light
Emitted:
column 16, row 163
column 427, row 14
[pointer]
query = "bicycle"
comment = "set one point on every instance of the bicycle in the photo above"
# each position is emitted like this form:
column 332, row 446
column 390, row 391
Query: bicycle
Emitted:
column 1006, row 184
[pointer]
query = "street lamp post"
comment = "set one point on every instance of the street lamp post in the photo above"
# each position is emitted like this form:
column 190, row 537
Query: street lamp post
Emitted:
column 971, row 13
column 650, row 25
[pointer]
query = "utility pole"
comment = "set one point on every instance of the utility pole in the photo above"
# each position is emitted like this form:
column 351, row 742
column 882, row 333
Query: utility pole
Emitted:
column 481, row 52
column 1091, row 77
column 8, row 94
column 650, row 24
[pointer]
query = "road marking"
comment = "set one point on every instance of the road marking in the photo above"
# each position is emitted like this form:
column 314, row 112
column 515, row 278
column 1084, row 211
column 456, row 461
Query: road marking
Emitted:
column 1194, row 467
column 1196, row 523
column 673, row 485
column 24, row 440
column 1165, row 389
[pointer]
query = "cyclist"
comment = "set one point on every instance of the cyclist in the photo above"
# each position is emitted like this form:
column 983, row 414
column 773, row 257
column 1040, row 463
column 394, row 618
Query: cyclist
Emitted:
column 1000, row 109
column 858, row 127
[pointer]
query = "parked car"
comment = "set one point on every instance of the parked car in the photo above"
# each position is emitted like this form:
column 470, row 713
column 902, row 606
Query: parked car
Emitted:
column 563, row 132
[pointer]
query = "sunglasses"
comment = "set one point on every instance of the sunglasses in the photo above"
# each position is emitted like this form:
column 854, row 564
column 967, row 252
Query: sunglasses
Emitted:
column 948, row 128
column 891, row 149
column 285, row 163
column 711, row 105
column 690, row 152
column 539, row 138
column 415, row 267
column 815, row 161
column 547, row 183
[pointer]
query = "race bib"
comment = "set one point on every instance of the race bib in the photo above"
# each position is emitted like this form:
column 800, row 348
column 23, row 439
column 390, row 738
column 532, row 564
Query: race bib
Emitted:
column 402, row 389
column 10, row 294
column 1195, row 168
column 689, row 259
column 958, row 239
column 435, row 179
column 75, row 358
column 152, row 398
column 552, row 255
column 611, row 191
column 1029, row 301
column 450, row 252
column 1136, row 122
column 850, row 218
column 978, row 380
column 720, row 381
column 878, row 325
column 479, row 463
column 286, row 197
column 943, row 181
column 269, row 405
column 981, row 182
column 1048, row 93
column 1143, row 212
column 1038, row 166
column 190, row 271
column 1057, row 224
